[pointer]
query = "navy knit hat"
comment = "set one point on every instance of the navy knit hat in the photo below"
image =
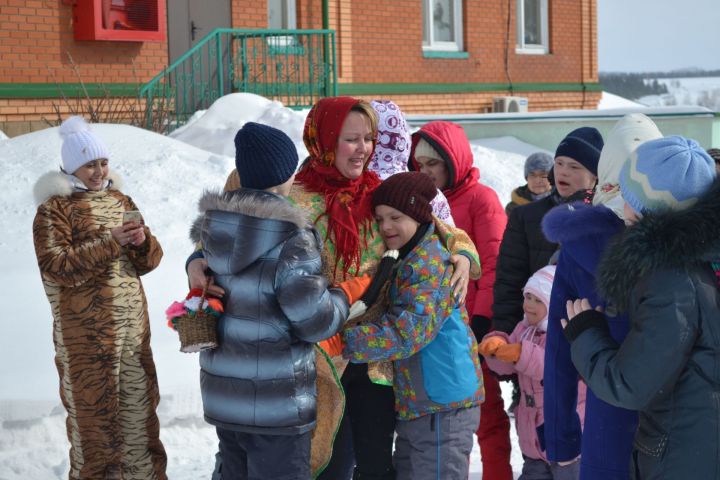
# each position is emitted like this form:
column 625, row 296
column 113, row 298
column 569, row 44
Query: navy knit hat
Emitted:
column 264, row 156
column 582, row 145
column 538, row 162
column 408, row 192
column 668, row 173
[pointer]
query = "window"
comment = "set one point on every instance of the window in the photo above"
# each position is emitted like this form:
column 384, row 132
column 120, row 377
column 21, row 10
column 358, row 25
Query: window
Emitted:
column 532, row 26
column 281, row 15
column 442, row 25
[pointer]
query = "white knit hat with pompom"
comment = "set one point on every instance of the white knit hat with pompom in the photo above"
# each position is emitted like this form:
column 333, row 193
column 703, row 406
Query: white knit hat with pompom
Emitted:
column 80, row 145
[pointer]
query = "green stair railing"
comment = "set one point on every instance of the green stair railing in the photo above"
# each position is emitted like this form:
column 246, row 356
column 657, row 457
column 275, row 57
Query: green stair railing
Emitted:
column 295, row 67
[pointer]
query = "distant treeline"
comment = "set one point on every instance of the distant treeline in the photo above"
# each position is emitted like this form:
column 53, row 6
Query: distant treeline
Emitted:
column 632, row 85
column 636, row 85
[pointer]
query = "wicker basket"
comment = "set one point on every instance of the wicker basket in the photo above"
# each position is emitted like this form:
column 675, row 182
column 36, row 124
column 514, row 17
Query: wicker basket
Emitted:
column 198, row 330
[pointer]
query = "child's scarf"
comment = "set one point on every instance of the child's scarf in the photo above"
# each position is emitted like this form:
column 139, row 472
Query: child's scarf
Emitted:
column 347, row 202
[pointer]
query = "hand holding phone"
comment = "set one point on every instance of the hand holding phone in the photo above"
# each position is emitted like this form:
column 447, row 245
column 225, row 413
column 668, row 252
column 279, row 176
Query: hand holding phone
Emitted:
column 132, row 216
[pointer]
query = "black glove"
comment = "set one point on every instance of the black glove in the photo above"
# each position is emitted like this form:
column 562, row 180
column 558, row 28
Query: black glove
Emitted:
column 583, row 321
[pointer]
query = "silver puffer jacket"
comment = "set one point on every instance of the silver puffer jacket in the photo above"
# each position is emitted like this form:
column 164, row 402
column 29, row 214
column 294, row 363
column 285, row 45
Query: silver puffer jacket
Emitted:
column 266, row 256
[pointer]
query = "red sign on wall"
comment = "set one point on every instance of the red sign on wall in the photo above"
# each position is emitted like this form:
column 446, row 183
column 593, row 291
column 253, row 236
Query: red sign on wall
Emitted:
column 120, row 20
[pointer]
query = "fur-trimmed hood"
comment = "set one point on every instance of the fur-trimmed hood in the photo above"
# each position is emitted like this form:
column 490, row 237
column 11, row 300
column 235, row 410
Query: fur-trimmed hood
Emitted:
column 672, row 239
column 582, row 231
column 253, row 203
column 55, row 183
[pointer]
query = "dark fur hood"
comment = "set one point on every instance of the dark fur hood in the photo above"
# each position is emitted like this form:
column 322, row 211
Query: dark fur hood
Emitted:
column 253, row 203
column 667, row 240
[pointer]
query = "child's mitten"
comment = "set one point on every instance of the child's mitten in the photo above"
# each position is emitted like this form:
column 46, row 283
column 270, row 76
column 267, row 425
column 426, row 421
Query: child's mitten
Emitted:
column 509, row 352
column 354, row 287
column 333, row 346
column 490, row 345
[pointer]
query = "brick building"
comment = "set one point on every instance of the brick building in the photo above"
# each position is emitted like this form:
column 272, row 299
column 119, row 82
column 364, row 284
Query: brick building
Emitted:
column 430, row 56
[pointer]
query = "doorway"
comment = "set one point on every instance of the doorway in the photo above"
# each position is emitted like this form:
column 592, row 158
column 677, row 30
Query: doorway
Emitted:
column 190, row 20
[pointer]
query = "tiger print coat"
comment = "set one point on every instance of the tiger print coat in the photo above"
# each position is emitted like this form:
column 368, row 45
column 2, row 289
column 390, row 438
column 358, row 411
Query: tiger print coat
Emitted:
column 101, row 333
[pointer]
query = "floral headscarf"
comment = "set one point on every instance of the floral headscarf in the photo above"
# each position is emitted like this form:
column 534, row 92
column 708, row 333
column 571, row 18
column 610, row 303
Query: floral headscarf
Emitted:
column 347, row 202
column 392, row 151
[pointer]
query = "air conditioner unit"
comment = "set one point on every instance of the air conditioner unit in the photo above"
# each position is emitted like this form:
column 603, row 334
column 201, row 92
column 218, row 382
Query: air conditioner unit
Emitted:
column 510, row 104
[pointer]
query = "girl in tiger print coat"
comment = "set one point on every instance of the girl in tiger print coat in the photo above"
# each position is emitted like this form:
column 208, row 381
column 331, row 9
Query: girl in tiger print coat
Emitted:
column 91, row 265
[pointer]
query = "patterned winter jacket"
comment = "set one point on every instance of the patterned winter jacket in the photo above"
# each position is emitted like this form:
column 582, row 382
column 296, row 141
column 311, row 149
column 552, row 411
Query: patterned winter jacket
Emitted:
column 426, row 335
column 266, row 256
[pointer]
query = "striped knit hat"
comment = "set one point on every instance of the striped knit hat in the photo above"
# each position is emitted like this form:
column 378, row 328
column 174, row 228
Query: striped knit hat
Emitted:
column 668, row 173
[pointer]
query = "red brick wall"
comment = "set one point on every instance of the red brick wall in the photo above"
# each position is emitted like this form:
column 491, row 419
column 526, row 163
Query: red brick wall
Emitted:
column 378, row 41
column 386, row 42
column 249, row 13
column 36, row 37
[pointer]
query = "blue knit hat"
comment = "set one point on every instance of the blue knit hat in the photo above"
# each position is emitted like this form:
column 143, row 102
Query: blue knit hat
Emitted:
column 668, row 173
column 538, row 162
column 264, row 156
column 582, row 145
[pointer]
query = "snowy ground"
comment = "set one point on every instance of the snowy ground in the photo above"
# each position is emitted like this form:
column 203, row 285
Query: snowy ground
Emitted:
column 165, row 176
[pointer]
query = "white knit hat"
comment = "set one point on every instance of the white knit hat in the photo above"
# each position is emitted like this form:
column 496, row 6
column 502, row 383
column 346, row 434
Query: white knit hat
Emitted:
column 424, row 149
column 540, row 285
column 80, row 145
column 628, row 133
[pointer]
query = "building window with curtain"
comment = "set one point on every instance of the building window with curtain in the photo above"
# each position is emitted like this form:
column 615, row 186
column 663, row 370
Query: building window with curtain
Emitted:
column 442, row 25
column 532, row 27
column 281, row 14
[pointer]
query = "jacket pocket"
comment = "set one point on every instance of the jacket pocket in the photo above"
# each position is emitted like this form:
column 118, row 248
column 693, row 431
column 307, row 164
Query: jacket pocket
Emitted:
column 448, row 370
column 650, row 445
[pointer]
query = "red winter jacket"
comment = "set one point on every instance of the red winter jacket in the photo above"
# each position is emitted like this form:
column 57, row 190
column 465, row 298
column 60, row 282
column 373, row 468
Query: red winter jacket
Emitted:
column 475, row 207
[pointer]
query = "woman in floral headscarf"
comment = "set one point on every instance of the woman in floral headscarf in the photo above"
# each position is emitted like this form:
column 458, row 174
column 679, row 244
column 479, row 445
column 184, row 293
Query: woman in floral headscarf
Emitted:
column 334, row 185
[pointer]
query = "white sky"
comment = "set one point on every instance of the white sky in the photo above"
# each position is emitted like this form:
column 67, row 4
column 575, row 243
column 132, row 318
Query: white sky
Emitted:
column 658, row 35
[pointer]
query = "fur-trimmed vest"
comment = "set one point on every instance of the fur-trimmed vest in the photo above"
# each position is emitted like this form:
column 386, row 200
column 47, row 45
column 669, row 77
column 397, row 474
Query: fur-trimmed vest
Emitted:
column 668, row 366
column 266, row 256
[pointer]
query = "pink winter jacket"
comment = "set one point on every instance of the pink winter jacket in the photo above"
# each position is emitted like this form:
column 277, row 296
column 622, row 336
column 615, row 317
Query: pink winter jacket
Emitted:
column 529, row 369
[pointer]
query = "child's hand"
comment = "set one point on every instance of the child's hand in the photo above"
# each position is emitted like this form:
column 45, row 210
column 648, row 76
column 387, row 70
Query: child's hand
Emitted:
column 489, row 346
column 197, row 278
column 509, row 352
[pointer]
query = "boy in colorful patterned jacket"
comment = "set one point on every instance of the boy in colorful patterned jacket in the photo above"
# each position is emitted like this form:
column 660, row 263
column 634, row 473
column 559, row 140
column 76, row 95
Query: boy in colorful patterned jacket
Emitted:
column 424, row 331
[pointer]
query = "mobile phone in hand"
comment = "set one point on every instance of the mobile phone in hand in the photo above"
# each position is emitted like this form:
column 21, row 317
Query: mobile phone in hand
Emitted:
column 133, row 216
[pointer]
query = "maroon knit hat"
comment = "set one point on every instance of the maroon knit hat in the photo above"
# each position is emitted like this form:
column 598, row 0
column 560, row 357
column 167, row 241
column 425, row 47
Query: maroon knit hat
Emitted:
column 408, row 192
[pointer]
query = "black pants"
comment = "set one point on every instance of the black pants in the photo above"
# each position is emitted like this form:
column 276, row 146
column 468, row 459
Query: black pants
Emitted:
column 370, row 409
column 251, row 456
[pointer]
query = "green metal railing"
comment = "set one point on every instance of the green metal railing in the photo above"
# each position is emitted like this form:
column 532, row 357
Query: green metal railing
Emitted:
column 295, row 67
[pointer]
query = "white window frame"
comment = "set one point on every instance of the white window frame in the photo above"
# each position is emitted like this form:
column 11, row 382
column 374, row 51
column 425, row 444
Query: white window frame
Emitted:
column 289, row 11
column 429, row 44
column 542, row 48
